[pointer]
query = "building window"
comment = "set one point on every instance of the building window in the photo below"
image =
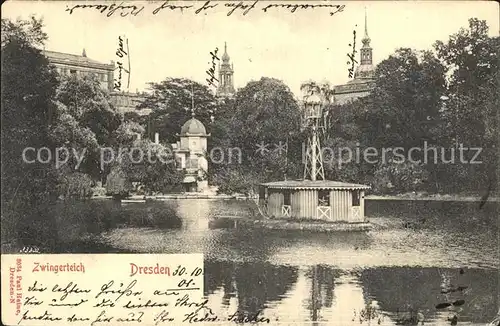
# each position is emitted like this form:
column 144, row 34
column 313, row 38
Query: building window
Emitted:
column 324, row 198
column 72, row 71
column 192, row 163
column 356, row 198
column 286, row 197
column 179, row 162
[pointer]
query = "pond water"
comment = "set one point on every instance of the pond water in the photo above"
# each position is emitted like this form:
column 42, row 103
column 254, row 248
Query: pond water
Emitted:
column 416, row 257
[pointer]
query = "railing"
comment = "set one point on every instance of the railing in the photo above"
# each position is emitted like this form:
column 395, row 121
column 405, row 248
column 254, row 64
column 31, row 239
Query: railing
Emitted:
column 355, row 212
column 285, row 210
column 324, row 212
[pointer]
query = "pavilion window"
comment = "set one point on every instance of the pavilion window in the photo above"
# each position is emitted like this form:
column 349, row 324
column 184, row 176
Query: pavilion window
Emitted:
column 356, row 198
column 286, row 197
column 324, row 198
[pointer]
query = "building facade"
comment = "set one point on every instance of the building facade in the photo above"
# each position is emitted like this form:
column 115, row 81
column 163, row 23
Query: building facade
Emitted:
column 128, row 102
column 363, row 82
column 226, row 73
column 80, row 65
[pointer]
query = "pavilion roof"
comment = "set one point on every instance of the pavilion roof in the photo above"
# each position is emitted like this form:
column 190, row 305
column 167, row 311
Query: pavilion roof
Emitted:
column 318, row 184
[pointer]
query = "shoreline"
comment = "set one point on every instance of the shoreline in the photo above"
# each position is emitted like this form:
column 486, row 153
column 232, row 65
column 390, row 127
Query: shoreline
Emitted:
column 456, row 198
column 459, row 198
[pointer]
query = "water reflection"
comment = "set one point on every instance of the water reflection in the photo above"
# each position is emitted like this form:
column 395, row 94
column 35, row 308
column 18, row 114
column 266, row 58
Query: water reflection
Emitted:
column 406, row 289
column 385, row 296
column 393, row 275
column 190, row 212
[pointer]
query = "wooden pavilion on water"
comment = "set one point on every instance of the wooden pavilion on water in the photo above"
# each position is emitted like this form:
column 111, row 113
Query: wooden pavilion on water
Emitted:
column 329, row 201
column 313, row 198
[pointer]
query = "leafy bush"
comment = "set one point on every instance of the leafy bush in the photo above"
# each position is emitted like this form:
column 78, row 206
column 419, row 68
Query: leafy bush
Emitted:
column 117, row 183
column 231, row 181
column 75, row 185
column 398, row 177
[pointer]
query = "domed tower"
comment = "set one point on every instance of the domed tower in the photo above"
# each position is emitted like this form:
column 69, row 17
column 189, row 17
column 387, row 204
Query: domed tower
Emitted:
column 366, row 68
column 190, row 153
column 226, row 71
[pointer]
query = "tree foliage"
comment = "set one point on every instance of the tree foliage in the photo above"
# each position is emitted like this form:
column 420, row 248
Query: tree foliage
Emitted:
column 28, row 86
column 171, row 102
column 470, row 113
column 152, row 165
column 265, row 118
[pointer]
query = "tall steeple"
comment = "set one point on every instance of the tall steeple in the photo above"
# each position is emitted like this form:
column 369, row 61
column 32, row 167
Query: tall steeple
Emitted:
column 226, row 83
column 366, row 26
column 225, row 56
column 366, row 50
column 365, row 69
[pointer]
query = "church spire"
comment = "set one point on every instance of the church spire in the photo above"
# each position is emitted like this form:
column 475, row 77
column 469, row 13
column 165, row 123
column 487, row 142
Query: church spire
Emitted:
column 366, row 38
column 365, row 69
column 192, row 100
column 225, row 56
column 366, row 26
column 226, row 85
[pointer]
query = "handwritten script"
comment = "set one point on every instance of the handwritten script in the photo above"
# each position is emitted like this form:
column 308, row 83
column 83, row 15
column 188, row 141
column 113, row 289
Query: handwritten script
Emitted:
column 352, row 55
column 244, row 7
column 121, row 54
column 110, row 289
column 211, row 80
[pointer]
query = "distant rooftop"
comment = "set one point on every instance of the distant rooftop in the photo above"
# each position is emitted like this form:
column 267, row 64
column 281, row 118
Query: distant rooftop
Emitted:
column 72, row 58
column 318, row 184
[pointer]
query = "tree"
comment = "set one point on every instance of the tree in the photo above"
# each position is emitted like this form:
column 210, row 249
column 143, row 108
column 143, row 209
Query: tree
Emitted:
column 171, row 102
column 266, row 118
column 74, row 142
column 470, row 113
column 24, row 32
column 140, row 160
column 118, row 184
column 28, row 87
column 127, row 133
column 89, row 107
column 405, row 102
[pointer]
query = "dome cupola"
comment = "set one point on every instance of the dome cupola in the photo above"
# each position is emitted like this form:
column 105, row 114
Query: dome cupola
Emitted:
column 193, row 127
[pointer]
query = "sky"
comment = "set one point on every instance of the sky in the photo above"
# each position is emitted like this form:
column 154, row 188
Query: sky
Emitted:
column 309, row 44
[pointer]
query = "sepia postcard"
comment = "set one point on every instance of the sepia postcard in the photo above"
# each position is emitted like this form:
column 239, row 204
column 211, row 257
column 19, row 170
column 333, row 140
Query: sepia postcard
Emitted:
column 250, row 162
